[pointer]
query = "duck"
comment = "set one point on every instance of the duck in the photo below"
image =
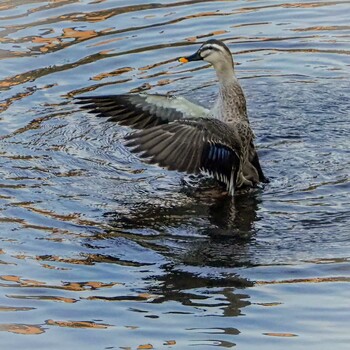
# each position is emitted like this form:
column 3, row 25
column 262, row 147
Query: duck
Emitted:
column 177, row 134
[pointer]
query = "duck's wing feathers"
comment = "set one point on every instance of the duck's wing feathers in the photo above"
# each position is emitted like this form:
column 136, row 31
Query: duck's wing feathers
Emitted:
column 192, row 146
column 141, row 111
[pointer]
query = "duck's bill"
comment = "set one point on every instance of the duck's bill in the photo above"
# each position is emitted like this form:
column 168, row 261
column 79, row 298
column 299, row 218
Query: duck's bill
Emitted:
column 183, row 59
column 195, row 57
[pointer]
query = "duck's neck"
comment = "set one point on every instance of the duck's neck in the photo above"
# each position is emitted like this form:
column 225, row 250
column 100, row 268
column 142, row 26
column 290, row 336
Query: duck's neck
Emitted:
column 225, row 73
column 231, row 103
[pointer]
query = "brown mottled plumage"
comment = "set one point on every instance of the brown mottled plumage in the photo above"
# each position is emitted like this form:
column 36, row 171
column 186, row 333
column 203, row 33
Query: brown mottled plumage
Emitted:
column 180, row 135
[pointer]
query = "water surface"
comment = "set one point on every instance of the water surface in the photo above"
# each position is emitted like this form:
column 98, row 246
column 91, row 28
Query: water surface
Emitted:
column 100, row 251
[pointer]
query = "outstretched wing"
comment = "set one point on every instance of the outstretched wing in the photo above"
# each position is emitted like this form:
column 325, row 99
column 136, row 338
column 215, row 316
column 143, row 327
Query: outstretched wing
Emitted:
column 190, row 146
column 141, row 111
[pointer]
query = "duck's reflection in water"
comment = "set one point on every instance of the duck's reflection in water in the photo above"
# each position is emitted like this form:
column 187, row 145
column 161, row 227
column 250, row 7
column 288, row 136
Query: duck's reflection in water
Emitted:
column 207, row 229
column 199, row 290
column 210, row 232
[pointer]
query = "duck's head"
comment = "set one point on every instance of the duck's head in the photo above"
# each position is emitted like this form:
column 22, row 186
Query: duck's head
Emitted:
column 212, row 51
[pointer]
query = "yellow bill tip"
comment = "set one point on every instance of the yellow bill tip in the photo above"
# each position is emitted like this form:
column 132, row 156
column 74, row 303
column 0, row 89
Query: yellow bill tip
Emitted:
column 183, row 60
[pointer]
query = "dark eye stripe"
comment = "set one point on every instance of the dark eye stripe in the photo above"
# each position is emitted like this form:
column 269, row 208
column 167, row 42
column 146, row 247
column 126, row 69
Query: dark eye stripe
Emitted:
column 216, row 45
column 210, row 47
column 206, row 52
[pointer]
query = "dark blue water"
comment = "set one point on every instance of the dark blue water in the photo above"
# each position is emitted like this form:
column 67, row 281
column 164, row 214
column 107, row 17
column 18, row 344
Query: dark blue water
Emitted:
column 100, row 251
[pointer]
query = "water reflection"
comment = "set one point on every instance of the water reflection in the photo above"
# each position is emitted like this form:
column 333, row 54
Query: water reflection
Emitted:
column 185, row 287
column 210, row 229
column 96, row 248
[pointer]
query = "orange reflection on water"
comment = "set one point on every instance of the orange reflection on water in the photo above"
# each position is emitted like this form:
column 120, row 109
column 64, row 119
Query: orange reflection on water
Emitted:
column 285, row 335
column 78, row 324
column 321, row 28
column 216, row 32
column 26, row 329
column 307, row 280
column 43, row 297
column 15, row 308
column 71, row 286
column 114, row 73
column 145, row 346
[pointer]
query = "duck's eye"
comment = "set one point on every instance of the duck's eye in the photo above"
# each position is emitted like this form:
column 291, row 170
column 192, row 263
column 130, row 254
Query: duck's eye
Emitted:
column 205, row 53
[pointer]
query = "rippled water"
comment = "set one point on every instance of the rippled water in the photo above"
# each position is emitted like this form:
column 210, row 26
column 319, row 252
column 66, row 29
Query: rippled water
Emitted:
column 100, row 251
